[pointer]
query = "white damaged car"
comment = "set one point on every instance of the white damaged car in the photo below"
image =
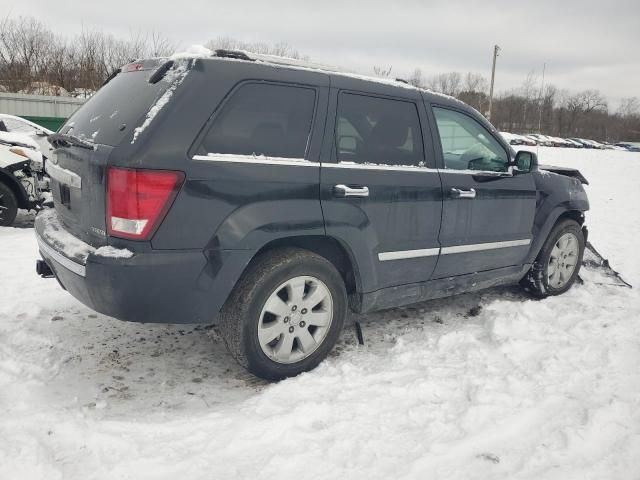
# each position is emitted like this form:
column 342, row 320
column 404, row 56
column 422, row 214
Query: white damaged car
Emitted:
column 23, row 183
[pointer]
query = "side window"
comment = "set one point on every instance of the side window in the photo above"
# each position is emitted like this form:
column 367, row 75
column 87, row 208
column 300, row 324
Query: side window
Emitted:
column 263, row 119
column 467, row 145
column 378, row 130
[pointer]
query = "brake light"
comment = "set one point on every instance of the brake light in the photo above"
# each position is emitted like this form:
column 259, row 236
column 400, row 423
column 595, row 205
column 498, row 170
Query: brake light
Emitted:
column 138, row 200
column 133, row 67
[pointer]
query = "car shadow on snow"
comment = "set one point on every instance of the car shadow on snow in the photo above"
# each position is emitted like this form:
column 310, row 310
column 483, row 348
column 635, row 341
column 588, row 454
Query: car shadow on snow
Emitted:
column 380, row 329
column 157, row 367
column 152, row 366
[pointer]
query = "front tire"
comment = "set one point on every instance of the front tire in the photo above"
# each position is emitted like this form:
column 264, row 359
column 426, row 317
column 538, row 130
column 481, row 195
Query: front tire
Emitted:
column 8, row 206
column 558, row 263
column 285, row 314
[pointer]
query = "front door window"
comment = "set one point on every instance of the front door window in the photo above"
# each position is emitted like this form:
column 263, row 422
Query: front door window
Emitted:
column 467, row 145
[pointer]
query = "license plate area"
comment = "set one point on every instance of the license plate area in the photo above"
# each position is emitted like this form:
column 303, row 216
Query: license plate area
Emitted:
column 65, row 195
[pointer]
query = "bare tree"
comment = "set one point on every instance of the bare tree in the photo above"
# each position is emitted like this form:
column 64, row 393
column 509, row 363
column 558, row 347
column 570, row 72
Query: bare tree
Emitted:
column 529, row 89
column 447, row 83
column 629, row 107
column 475, row 91
column 63, row 69
column 24, row 47
column 383, row 72
column 280, row 49
column 416, row 78
column 546, row 107
column 474, row 82
column 160, row 46
column 581, row 105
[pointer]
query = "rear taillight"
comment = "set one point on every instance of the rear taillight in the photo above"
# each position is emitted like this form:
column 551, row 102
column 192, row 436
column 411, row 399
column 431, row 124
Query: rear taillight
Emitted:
column 138, row 200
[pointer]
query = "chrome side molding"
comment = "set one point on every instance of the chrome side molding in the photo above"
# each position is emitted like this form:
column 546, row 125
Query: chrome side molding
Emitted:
column 402, row 254
column 477, row 247
column 67, row 263
column 428, row 252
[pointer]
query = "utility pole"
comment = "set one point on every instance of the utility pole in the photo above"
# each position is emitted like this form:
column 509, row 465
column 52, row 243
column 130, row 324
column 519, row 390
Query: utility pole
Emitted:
column 496, row 49
column 544, row 67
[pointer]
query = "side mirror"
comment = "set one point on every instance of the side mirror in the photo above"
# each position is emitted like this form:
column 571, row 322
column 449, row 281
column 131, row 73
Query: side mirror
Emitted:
column 525, row 162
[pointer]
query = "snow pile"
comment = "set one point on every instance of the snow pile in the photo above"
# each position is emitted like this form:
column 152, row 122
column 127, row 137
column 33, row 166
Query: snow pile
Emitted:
column 20, row 139
column 112, row 252
column 194, row 51
column 64, row 242
column 492, row 385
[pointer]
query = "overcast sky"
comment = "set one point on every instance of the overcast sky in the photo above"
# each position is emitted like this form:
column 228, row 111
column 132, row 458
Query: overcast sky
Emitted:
column 585, row 44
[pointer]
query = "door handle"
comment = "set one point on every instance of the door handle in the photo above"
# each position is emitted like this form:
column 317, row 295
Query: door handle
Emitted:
column 346, row 191
column 459, row 193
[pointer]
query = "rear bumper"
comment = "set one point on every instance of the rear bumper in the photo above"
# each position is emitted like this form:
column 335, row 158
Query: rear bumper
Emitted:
column 166, row 286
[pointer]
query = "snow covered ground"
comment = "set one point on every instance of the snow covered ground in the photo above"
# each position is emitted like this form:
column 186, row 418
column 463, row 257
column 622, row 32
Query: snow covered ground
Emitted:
column 482, row 386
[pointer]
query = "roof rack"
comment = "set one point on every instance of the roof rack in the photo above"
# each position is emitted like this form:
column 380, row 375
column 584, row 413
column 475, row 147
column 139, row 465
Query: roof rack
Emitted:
column 295, row 62
column 237, row 54
column 275, row 59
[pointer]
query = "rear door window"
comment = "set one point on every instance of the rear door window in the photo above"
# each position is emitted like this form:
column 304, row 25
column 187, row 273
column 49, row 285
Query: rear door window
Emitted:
column 263, row 119
column 378, row 130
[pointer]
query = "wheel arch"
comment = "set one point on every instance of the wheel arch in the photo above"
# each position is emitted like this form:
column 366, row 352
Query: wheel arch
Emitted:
column 326, row 246
column 558, row 214
column 14, row 185
column 572, row 214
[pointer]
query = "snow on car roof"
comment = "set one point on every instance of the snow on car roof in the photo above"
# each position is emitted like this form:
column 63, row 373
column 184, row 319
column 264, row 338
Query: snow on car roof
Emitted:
column 199, row 51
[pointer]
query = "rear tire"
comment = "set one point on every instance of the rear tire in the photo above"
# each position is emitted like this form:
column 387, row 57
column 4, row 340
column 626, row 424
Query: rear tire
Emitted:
column 285, row 314
column 8, row 206
column 558, row 263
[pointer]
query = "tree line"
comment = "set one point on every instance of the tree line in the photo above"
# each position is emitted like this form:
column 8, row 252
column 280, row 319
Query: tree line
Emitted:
column 35, row 59
column 537, row 108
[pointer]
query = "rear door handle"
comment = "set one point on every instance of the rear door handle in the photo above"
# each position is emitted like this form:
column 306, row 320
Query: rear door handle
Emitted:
column 346, row 191
column 459, row 193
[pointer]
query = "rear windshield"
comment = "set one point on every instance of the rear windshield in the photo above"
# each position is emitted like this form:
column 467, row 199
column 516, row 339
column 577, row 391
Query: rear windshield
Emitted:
column 111, row 115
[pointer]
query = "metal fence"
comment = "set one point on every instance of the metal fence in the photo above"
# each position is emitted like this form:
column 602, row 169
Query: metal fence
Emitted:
column 48, row 111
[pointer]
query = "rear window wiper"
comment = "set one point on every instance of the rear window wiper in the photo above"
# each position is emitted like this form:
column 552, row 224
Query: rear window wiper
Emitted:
column 65, row 139
column 113, row 75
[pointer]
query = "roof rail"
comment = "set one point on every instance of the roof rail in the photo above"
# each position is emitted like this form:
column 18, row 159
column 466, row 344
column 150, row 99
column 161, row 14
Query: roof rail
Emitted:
column 238, row 54
column 300, row 63
column 275, row 59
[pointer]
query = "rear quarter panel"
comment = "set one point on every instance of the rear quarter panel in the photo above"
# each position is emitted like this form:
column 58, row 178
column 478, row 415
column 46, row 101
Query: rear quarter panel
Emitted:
column 235, row 205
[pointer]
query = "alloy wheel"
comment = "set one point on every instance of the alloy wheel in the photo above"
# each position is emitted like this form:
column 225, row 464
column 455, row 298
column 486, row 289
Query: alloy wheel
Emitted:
column 295, row 319
column 563, row 260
